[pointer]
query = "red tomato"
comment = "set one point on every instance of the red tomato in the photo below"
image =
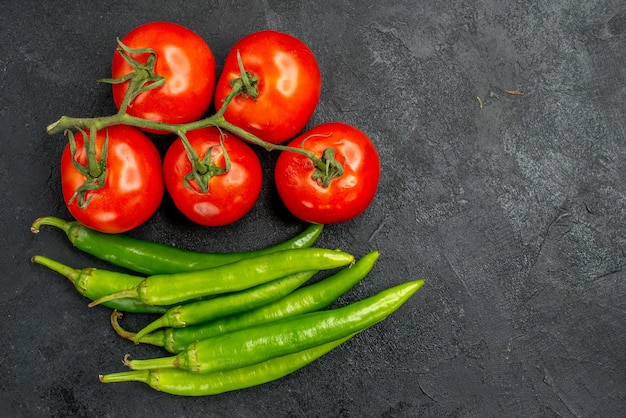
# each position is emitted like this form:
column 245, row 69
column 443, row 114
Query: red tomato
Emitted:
column 186, row 62
column 289, row 85
column 347, row 195
column 231, row 195
column 133, row 188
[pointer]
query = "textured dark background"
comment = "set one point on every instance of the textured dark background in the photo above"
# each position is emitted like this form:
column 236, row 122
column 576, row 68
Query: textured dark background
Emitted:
column 514, row 212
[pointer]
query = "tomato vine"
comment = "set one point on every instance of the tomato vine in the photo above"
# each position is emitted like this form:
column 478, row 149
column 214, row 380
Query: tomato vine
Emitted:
column 327, row 166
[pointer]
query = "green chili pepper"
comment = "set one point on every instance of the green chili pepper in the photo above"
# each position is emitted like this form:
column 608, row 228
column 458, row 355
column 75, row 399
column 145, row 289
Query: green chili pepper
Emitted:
column 184, row 383
column 232, row 303
column 170, row 289
column 93, row 284
column 260, row 343
column 152, row 258
column 310, row 298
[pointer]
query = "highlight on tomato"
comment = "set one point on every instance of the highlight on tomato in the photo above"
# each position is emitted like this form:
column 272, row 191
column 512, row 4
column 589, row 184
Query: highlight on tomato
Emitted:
column 337, row 187
column 181, row 73
column 285, row 85
column 119, row 185
column 222, row 184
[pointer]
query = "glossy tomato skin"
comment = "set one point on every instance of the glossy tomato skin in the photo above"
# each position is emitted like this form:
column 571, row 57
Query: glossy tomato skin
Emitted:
column 348, row 195
column 134, row 181
column 289, row 85
column 230, row 195
column 186, row 62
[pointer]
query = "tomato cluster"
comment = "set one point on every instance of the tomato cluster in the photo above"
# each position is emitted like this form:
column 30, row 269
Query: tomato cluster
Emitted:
column 164, row 80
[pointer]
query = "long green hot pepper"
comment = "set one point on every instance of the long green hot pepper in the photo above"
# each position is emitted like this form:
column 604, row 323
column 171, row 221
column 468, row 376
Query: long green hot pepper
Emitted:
column 152, row 258
column 260, row 343
column 183, row 383
column 170, row 289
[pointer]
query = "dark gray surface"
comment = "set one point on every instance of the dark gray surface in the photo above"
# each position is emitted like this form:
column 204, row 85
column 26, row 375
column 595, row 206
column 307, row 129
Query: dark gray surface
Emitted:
column 513, row 212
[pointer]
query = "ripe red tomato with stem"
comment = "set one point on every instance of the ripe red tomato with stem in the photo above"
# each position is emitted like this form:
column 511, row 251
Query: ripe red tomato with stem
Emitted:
column 343, row 183
column 171, row 68
column 111, row 181
column 285, row 85
column 222, row 183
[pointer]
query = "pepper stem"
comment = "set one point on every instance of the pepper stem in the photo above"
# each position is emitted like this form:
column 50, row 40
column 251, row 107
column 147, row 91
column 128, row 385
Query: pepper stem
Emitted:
column 131, row 376
column 115, row 317
column 161, row 322
column 71, row 273
column 156, row 338
column 50, row 221
column 153, row 363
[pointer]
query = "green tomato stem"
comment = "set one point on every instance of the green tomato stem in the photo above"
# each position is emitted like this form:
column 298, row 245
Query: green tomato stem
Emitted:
column 141, row 79
column 93, row 165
